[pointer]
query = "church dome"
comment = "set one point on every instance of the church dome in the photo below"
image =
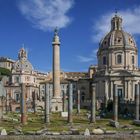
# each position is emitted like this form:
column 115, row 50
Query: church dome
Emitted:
column 117, row 36
column 117, row 50
column 22, row 64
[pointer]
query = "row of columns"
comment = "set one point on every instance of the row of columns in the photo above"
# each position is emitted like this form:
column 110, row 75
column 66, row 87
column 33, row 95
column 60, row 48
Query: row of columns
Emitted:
column 23, row 104
column 137, row 102
column 70, row 104
column 128, row 86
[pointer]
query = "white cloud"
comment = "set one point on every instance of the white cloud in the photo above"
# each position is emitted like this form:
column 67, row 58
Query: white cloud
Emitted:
column 131, row 22
column 46, row 14
column 91, row 58
column 85, row 59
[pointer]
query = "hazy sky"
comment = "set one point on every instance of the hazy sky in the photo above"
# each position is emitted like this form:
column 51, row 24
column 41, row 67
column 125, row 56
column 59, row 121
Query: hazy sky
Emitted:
column 81, row 23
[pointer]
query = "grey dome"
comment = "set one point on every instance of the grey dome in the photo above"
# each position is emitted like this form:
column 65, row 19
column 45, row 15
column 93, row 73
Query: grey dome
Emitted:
column 23, row 64
column 117, row 36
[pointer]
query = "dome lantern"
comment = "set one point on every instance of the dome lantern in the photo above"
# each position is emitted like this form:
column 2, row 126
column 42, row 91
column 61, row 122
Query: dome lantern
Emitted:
column 116, row 23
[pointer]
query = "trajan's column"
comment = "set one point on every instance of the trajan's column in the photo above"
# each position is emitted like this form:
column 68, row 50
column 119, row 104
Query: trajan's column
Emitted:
column 57, row 98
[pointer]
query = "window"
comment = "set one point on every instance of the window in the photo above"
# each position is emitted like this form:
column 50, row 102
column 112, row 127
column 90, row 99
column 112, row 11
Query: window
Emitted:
column 17, row 97
column 133, row 59
column 83, row 97
column 104, row 60
column 119, row 59
column 16, row 79
column 9, row 64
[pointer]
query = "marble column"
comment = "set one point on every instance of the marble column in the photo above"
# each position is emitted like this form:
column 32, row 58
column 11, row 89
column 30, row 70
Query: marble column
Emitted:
column 57, row 99
column 70, row 103
column 35, row 101
column 133, row 90
column 56, row 65
column 137, row 101
column 78, row 101
column 112, row 83
column 23, row 104
column 125, row 90
column 64, row 101
column 7, row 100
column 47, row 104
column 93, row 104
column 115, row 103
column 106, row 93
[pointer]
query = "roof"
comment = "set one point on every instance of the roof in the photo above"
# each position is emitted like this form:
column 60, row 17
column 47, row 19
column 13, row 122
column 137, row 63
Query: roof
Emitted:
column 68, row 76
column 6, row 59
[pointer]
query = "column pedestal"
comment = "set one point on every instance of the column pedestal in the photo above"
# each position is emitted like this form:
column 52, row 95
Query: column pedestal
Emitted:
column 56, row 104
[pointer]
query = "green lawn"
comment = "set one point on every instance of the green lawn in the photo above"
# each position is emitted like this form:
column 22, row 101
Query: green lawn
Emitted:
column 57, row 123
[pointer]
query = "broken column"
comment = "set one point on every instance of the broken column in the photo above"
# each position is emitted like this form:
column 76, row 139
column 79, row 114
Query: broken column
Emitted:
column 137, row 121
column 78, row 101
column 47, row 104
column 64, row 101
column 35, row 101
column 23, row 104
column 93, row 104
column 115, row 122
column 115, row 104
column 137, row 102
column 70, row 103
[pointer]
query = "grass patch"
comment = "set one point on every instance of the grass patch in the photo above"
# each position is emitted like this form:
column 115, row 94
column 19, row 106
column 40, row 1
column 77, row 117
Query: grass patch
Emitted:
column 58, row 124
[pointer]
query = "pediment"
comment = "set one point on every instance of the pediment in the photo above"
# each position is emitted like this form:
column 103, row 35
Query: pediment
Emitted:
column 121, row 73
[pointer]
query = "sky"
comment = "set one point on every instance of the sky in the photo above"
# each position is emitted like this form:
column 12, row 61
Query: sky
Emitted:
column 82, row 24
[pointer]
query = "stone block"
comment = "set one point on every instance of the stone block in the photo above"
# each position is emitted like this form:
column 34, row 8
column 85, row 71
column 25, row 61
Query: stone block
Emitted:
column 75, row 132
column 3, row 132
column 135, row 132
column 110, row 132
column 66, row 133
column 87, row 132
column 97, row 131
column 136, row 122
column 55, row 133
column 114, row 123
column 64, row 114
column 42, row 131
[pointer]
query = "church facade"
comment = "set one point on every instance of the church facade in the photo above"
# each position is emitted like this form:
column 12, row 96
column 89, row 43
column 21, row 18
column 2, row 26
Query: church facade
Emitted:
column 117, row 65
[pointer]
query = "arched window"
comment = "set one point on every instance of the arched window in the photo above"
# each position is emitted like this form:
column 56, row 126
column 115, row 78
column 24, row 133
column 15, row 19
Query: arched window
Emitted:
column 104, row 60
column 17, row 97
column 119, row 59
column 133, row 59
